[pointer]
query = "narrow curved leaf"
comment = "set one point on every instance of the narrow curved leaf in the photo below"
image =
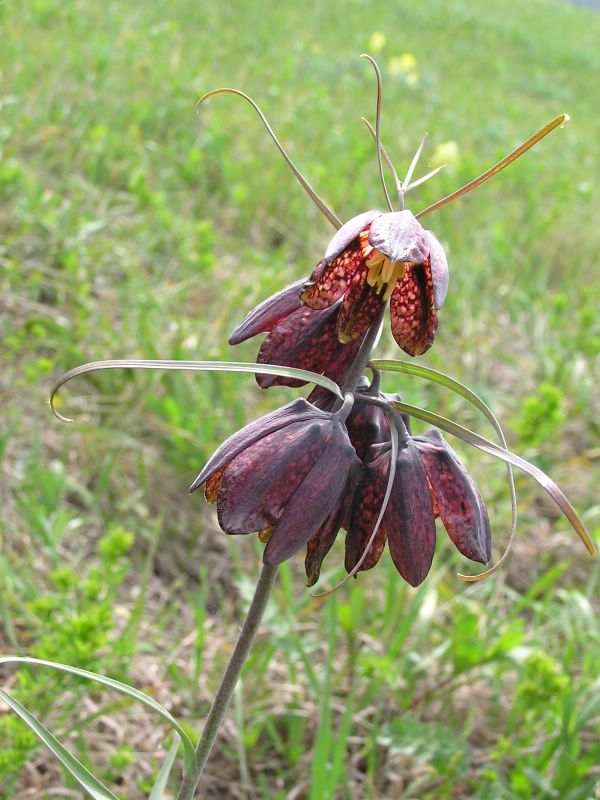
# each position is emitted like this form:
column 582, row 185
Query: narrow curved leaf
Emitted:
column 193, row 366
column 123, row 688
column 82, row 775
column 420, row 371
column 510, row 458
column 159, row 787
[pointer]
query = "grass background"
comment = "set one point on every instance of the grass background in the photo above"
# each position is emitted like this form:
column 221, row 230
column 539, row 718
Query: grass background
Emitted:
column 133, row 228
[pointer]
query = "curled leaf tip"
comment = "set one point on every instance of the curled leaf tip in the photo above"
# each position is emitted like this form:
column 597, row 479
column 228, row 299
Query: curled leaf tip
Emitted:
column 193, row 366
column 318, row 201
column 52, row 399
column 57, row 414
column 490, row 570
column 213, row 92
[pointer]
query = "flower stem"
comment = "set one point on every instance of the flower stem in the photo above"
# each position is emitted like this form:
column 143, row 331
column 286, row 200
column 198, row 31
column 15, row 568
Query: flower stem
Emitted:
column 364, row 354
column 229, row 680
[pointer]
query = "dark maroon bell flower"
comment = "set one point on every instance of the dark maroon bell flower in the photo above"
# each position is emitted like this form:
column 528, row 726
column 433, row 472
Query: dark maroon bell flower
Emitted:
column 298, row 336
column 366, row 425
column 374, row 258
column 291, row 473
column 430, row 480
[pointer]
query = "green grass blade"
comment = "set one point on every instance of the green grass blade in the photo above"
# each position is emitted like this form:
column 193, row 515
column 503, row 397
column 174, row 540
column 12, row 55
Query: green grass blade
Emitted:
column 321, row 764
column 434, row 375
column 536, row 473
column 81, row 774
column 159, row 787
column 193, row 366
column 123, row 688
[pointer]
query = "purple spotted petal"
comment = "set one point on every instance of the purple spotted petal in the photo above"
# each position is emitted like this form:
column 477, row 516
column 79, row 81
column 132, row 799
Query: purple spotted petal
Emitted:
column 321, row 543
column 439, row 269
column 412, row 311
column 330, row 280
column 365, row 511
column 306, row 339
column 341, row 361
column 311, row 502
column 296, row 411
column 267, row 314
column 400, row 237
column 348, row 232
column 322, row 398
column 409, row 518
column 360, row 307
column 457, row 498
column 259, row 482
column 367, row 425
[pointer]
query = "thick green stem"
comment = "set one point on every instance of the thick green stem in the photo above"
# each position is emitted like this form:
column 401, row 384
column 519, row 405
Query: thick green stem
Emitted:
column 230, row 679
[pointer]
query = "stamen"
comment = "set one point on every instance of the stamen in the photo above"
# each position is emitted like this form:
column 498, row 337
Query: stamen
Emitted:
column 376, row 258
column 390, row 288
column 374, row 272
column 367, row 250
column 558, row 122
column 377, row 127
column 320, row 204
column 387, row 270
column 383, row 272
column 265, row 534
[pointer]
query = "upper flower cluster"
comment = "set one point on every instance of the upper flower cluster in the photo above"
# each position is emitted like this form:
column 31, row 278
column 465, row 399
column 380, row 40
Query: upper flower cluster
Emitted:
column 318, row 324
column 376, row 257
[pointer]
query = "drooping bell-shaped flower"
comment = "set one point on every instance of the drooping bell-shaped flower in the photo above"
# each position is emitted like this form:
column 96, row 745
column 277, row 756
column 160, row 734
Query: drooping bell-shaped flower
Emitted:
column 298, row 336
column 373, row 258
column 366, row 425
column 292, row 471
column 376, row 257
column 429, row 481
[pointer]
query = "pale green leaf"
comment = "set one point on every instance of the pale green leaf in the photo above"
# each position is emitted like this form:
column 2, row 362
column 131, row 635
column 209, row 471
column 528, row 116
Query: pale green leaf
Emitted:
column 123, row 688
column 159, row 787
column 194, row 366
column 81, row 774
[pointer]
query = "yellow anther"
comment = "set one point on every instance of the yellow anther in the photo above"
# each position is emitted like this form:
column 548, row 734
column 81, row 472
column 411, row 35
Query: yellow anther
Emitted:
column 390, row 288
column 387, row 270
column 383, row 273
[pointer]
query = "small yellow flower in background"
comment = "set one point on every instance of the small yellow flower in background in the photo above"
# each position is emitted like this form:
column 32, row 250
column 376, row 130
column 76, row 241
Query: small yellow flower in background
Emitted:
column 405, row 66
column 376, row 42
column 446, row 153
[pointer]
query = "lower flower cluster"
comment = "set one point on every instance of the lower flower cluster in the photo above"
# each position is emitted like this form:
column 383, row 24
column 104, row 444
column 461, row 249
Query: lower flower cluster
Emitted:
column 302, row 473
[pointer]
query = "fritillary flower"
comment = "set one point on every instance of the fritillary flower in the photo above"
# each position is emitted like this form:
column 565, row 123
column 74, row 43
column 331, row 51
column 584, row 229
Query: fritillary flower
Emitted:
column 375, row 258
column 288, row 476
column 429, row 481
